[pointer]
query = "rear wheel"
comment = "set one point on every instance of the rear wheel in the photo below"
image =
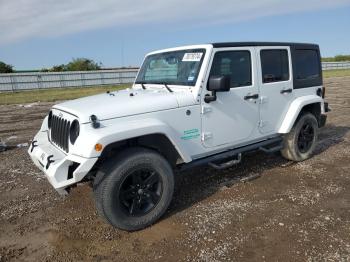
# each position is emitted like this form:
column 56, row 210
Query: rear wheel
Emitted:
column 135, row 189
column 300, row 142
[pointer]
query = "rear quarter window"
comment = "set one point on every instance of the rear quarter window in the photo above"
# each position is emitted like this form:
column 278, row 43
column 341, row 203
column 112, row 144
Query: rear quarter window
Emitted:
column 307, row 64
column 307, row 70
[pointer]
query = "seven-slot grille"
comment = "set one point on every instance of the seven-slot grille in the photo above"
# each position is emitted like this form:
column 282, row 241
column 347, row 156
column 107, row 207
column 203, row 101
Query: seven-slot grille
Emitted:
column 60, row 132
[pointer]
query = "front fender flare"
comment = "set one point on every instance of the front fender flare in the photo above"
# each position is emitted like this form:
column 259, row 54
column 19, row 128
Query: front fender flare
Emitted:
column 131, row 129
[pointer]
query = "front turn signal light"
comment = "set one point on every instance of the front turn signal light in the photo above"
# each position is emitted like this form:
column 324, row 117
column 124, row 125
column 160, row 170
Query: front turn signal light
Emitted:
column 98, row 147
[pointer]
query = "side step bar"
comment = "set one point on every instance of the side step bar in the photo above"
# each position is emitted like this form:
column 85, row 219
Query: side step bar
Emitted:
column 268, row 146
column 226, row 164
column 271, row 149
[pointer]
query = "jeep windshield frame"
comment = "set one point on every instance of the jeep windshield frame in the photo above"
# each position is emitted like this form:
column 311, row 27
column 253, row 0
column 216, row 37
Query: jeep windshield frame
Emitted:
column 180, row 67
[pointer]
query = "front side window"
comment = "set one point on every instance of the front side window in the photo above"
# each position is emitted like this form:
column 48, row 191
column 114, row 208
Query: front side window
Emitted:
column 235, row 64
column 274, row 65
column 172, row 68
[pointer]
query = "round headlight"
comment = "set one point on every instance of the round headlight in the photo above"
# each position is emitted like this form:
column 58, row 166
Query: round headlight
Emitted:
column 74, row 131
column 49, row 119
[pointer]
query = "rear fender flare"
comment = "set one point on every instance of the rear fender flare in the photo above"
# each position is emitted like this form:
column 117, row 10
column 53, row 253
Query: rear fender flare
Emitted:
column 295, row 109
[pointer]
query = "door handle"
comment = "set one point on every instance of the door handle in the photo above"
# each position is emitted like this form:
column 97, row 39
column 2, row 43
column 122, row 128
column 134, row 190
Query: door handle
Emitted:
column 248, row 97
column 284, row 91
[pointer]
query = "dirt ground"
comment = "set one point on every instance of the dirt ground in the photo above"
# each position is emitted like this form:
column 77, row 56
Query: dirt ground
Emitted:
column 290, row 212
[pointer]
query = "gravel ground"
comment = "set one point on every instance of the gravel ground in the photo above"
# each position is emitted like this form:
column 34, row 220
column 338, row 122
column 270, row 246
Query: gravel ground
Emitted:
column 264, row 209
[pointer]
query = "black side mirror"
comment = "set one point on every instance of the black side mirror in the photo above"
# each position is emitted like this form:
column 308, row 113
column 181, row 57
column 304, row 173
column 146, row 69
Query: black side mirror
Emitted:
column 217, row 84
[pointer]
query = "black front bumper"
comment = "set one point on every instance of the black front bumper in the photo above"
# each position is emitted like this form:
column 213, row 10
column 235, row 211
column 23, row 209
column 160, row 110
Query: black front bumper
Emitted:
column 326, row 107
column 323, row 119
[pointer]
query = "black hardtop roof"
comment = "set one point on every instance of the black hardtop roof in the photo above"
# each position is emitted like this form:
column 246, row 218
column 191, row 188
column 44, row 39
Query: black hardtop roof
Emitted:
column 241, row 44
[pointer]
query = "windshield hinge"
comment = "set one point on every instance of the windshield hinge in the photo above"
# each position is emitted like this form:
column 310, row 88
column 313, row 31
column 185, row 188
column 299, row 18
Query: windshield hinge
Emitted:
column 206, row 109
column 206, row 136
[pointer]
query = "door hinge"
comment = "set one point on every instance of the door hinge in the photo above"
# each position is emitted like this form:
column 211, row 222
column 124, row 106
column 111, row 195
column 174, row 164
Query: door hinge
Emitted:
column 262, row 123
column 206, row 109
column 263, row 99
column 206, row 136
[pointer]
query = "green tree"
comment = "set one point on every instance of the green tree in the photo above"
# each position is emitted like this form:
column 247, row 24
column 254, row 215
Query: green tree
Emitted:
column 5, row 68
column 337, row 58
column 82, row 64
column 58, row 68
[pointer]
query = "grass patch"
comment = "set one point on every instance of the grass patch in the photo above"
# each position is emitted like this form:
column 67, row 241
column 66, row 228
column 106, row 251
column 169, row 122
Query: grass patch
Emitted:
column 336, row 73
column 54, row 94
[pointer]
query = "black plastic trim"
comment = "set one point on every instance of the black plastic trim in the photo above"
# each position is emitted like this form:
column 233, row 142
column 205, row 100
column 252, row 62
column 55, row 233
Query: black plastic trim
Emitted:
column 242, row 44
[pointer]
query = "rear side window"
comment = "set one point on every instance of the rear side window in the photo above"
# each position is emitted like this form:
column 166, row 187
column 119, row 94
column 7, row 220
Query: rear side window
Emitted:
column 274, row 65
column 307, row 65
column 235, row 64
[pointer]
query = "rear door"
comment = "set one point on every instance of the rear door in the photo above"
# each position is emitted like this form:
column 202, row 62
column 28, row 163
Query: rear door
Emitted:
column 276, row 86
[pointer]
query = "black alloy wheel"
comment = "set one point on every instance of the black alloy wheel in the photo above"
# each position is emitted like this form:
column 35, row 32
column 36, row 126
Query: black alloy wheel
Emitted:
column 140, row 192
column 299, row 144
column 306, row 137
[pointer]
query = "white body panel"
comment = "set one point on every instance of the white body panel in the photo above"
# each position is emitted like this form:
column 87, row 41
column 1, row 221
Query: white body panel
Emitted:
column 119, row 104
column 195, row 128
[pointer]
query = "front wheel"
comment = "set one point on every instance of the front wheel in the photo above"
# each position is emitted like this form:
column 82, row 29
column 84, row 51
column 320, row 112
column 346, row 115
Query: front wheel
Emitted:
column 135, row 189
column 300, row 142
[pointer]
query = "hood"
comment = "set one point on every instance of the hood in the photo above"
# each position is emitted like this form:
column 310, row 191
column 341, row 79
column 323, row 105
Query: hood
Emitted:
column 125, row 103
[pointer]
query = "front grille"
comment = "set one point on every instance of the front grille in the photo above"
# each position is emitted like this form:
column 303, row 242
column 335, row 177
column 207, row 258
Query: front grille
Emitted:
column 60, row 132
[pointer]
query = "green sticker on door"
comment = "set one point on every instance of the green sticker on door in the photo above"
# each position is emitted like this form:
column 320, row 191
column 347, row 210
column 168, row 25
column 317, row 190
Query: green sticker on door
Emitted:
column 190, row 134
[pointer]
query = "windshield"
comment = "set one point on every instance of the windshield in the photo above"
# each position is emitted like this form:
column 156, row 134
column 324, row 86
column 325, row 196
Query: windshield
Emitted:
column 172, row 68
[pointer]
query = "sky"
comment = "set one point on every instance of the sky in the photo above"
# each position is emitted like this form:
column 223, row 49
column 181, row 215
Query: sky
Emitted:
column 37, row 34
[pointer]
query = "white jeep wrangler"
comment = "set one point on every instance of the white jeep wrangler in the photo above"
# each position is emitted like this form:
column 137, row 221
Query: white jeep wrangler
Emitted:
column 189, row 106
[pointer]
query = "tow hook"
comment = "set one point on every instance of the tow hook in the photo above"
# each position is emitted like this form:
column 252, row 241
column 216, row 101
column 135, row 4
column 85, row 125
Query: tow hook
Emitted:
column 49, row 161
column 33, row 146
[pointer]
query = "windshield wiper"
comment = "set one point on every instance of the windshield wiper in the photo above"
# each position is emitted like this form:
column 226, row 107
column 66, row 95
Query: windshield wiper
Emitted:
column 142, row 84
column 168, row 88
column 156, row 83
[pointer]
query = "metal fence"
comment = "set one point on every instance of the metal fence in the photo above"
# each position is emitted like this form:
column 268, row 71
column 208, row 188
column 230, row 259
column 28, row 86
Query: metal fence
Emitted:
column 41, row 80
column 335, row 65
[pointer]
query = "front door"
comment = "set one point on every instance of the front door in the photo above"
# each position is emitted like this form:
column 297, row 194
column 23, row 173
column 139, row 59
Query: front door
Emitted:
column 234, row 116
column 276, row 86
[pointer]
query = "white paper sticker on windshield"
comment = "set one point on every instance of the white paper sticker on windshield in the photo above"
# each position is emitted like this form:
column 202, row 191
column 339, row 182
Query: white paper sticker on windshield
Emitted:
column 192, row 57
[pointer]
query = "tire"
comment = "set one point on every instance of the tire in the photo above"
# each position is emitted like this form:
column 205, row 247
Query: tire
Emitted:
column 133, row 190
column 300, row 142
